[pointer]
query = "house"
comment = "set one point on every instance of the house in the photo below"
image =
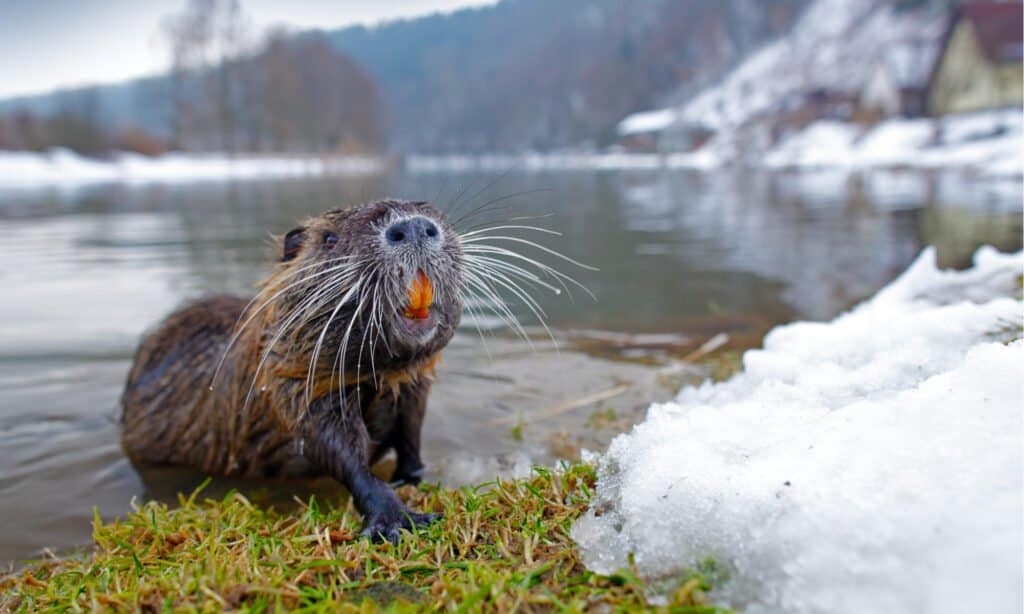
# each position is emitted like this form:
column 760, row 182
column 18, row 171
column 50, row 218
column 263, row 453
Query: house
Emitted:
column 899, row 81
column 684, row 135
column 659, row 131
column 639, row 132
column 804, row 108
column 981, row 60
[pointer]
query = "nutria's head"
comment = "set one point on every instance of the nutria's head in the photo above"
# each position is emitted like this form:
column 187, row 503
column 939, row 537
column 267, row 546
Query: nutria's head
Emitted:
column 378, row 289
column 370, row 288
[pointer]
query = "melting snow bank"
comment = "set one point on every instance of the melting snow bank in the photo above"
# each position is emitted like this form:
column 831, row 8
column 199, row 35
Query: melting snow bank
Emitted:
column 868, row 464
column 990, row 143
column 60, row 167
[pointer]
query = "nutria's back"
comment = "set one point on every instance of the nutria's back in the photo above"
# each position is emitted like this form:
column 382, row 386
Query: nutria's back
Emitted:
column 171, row 414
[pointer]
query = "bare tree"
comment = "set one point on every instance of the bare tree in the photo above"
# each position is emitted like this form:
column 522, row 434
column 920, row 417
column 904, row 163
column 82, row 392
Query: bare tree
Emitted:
column 187, row 34
column 297, row 93
column 314, row 98
column 206, row 40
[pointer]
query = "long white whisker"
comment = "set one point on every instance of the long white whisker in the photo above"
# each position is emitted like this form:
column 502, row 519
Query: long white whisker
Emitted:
column 267, row 302
column 323, row 333
column 534, row 245
column 501, row 251
column 508, row 220
column 344, row 345
column 496, row 303
column 486, row 263
column 301, row 310
column 376, row 319
column 493, row 305
column 366, row 330
column 521, row 293
column 480, row 231
column 476, row 323
column 504, row 281
column 489, row 205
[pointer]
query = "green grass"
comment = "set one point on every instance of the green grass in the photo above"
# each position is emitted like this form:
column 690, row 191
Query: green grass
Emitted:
column 1006, row 332
column 501, row 546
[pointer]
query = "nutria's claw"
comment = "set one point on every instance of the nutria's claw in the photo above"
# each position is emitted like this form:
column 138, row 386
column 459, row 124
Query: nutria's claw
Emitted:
column 381, row 528
column 411, row 477
column 382, row 531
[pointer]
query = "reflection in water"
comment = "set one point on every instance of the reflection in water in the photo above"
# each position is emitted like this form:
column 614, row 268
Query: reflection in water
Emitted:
column 682, row 257
column 826, row 256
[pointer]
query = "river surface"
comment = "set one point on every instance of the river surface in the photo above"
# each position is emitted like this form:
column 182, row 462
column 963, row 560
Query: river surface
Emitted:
column 682, row 257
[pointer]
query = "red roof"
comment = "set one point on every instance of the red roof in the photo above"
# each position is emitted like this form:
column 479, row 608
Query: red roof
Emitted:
column 999, row 27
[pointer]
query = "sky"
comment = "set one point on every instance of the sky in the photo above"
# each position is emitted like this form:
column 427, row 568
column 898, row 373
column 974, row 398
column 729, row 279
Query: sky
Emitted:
column 49, row 44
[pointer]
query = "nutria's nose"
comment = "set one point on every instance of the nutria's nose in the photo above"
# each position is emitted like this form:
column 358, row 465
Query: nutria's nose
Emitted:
column 413, row 231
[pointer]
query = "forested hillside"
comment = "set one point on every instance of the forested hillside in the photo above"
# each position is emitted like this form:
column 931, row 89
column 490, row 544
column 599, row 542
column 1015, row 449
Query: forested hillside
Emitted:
column 541, row 74
column 522, row 74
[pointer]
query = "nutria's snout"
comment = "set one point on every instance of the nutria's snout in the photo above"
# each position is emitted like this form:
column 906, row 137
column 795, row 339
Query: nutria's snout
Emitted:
column 415, row 241
column 424, row 256
column 417, row 232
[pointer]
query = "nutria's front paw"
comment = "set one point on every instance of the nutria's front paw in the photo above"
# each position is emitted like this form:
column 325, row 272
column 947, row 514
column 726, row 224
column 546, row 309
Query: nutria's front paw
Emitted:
column 387, row 526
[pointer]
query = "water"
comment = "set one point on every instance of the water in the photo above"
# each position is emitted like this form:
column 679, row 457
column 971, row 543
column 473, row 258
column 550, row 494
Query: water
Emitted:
column 682, row 257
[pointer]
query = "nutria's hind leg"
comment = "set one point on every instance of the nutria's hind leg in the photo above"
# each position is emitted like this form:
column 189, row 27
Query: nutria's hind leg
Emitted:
column 339, row 444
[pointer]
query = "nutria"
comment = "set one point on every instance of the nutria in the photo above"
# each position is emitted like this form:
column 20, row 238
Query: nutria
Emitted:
column 323, row 372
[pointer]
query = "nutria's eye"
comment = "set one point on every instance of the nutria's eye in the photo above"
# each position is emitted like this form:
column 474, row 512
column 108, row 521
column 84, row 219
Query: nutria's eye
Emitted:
column 330, row 239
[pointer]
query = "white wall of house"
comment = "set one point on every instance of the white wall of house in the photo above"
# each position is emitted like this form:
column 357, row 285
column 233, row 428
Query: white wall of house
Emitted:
column 967, row 81
column 881, row 93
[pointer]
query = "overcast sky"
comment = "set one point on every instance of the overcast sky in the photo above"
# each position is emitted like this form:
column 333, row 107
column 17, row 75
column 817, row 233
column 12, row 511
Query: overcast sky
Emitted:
column 46, row 44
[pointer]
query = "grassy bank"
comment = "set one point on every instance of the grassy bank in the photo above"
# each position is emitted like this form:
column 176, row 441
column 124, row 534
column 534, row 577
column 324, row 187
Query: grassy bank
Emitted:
column 501, row 546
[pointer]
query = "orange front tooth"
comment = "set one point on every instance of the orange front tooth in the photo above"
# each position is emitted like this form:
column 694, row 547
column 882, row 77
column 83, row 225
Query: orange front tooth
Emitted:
column 426, row 290
column 421, row 297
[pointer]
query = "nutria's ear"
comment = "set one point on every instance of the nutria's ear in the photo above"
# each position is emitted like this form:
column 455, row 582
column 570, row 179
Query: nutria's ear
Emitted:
column 293, row 243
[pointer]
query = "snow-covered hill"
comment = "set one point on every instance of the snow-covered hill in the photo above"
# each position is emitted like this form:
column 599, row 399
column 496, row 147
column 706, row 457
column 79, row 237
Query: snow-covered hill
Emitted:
column 763, row 112
column 833, row 46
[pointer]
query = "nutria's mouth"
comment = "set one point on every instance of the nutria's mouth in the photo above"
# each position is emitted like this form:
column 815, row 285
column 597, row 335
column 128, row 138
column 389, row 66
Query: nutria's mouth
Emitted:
column 421, row 297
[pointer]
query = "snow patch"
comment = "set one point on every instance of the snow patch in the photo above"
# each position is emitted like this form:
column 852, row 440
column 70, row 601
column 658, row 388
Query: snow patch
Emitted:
column 991, row 143
column 823, row 143
column 61, row 167
column 895, row 141
column 871, row 463
column 647, row 121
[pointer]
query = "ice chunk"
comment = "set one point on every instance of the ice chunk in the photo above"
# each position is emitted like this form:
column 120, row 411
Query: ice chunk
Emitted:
column 868, row 464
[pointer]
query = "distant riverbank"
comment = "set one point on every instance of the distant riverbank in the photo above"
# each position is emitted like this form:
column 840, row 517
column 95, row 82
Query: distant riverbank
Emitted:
column 65, row 168
column 986, row 147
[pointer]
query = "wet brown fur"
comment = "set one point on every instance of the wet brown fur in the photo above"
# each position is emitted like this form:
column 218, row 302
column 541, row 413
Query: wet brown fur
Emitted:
column 179, row 409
